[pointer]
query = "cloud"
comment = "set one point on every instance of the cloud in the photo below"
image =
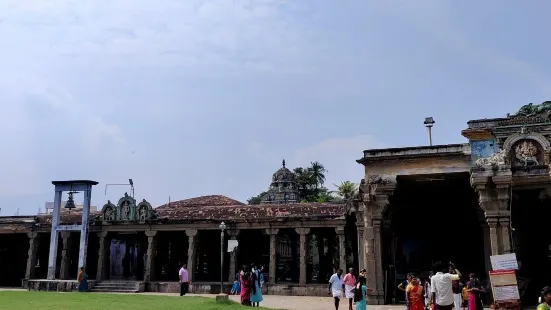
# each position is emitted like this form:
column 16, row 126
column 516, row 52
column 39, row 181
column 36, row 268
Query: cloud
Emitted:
column 339, row 156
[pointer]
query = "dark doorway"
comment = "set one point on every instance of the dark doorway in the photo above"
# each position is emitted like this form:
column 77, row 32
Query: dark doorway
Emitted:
column 432, row 218
column 530, row 214
column 124, row 257
column 13, row 259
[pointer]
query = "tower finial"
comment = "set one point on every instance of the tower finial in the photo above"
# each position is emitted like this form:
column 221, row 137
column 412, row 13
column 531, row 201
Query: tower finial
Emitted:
column 283, row 163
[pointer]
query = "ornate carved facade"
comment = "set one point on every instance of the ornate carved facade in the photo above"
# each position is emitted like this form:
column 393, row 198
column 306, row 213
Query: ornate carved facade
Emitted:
column 283, row 188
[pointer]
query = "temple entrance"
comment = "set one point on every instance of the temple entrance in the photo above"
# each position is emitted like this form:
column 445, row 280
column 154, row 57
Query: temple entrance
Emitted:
column 530, row 214
column 125, row 257
column 432, row 218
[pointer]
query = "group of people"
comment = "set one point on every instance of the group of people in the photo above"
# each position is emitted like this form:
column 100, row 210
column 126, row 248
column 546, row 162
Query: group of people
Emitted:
column 443, row 290
column 248, row 284
column 349, row 287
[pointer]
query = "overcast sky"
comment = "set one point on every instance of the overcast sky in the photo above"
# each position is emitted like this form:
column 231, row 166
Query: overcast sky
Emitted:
column 193, row 98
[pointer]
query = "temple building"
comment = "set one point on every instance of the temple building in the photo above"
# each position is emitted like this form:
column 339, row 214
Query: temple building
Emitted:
column 416, row 205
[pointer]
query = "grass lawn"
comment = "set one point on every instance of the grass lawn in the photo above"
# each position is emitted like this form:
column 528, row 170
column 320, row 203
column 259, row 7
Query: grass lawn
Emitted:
column 94, row 301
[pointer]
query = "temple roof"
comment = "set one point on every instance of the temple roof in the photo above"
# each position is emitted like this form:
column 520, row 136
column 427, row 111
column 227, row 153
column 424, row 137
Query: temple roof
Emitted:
column 202, row 201
column 267, row 212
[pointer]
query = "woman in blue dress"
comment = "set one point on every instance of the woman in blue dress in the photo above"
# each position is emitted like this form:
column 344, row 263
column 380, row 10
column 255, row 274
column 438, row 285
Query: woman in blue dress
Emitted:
column 256, row 288
column 360, row 292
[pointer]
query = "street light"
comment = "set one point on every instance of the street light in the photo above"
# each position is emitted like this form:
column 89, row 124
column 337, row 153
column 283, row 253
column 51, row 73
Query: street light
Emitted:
column 429, row 122
column 222, row 228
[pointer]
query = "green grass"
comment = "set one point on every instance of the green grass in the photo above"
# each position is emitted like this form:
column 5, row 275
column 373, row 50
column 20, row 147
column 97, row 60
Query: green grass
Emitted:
column 19, row 300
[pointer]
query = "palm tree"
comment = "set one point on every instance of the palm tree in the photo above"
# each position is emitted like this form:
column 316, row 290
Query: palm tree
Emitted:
column 347, row 190
column 318, row 173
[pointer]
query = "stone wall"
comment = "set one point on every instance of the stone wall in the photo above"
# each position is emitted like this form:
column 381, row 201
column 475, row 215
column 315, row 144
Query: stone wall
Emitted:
column 211, row 288
column 53, row 285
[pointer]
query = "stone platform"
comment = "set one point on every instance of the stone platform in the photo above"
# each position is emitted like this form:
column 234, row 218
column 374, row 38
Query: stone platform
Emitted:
column 319, row 290
column 53, row 285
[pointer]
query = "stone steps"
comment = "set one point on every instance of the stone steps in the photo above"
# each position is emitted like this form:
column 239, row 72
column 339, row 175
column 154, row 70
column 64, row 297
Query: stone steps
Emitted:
column 115, row 287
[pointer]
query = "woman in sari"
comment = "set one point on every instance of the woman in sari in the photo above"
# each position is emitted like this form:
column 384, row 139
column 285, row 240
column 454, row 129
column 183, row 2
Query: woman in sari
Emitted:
column 245, row 293
column 475, row 289
column 414, row 293
column 545, row 299
column 256, row 291
column 82, row 279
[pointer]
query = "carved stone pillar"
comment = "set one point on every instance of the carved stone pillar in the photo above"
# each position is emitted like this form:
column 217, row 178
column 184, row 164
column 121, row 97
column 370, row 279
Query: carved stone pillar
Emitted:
column 34, row 242
column 303, row 233
column 360, row 229
column 101, row 273
column 191, row 236
column 272, row 232
column 342, row 250
column 504, row 223
column 377, row 190
column 233, row 255
column 151, row 252
column 65, row 255
column 494, row 198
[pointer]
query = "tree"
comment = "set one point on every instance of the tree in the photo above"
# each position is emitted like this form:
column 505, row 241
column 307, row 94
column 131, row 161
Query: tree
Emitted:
column 347, row 190
column 256, row 200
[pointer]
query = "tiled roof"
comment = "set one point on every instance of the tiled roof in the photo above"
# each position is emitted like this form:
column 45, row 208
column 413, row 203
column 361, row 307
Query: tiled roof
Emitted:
column 69, row 217
column 202, row 201
column 268, row 212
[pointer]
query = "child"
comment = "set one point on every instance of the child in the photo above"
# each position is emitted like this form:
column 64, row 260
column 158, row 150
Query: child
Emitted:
column 465, row 296
column 236, row 288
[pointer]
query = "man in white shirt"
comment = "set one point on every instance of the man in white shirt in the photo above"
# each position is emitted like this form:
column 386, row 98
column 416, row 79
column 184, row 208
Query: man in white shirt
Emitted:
column 441, row 287
column 336, row 287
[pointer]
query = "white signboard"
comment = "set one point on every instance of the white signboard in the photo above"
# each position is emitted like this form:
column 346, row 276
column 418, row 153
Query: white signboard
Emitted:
column 506, row 293
column 232, row 244
column 504, row 262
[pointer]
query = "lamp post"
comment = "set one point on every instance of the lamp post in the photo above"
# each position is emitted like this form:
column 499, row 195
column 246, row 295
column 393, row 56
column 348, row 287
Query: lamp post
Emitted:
column 429, row 122
column 222, row 228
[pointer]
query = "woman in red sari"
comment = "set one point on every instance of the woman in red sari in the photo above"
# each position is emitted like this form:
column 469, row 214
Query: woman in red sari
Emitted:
column 414, row 293
column 245, row 287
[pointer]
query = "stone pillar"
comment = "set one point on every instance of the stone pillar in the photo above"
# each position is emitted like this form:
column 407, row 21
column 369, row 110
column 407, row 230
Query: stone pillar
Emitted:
column 101, row 273
column 233, row 233
column 494, row 243
column 272, row 232
column 342, row 250
column 303, row 233
column 52, row 257
column 361, row 243
column 34, row 242
column 65, row 255
column 379, row 274
column 83, row 245
column 504, row 223
column 151, row 252
column 191, row 236
column 377, row 190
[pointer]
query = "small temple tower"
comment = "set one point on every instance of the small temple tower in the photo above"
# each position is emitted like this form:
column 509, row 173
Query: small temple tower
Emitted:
column 284, row 187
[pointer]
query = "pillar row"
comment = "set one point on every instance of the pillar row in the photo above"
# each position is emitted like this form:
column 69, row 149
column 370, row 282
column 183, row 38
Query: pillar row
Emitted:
column 34, row 242
column 303, row 233
column 151, row 249
column 272, row 232
column 191, row 237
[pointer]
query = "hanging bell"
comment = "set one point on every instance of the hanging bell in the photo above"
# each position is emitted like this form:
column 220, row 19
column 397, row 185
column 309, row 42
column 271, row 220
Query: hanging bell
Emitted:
column 70, row 202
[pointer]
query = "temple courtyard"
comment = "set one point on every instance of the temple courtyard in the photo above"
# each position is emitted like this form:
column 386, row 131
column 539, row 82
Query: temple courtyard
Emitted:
column 21, row 299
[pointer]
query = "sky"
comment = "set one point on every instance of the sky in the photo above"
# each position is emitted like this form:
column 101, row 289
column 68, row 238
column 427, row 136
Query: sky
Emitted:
column 192, row 98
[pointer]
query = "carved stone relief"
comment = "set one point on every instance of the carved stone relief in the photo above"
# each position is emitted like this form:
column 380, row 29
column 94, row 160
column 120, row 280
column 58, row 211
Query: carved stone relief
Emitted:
column 127, row 211
column 492, row 162
column 109, row 212
column 526, row 154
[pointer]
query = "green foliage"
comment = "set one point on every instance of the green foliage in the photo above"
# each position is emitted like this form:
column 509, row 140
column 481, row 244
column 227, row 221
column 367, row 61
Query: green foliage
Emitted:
column 347, row 190
column 256, row 200
column 17, row 300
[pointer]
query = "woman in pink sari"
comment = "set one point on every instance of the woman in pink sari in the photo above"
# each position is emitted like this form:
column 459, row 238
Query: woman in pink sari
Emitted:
column 245, row 287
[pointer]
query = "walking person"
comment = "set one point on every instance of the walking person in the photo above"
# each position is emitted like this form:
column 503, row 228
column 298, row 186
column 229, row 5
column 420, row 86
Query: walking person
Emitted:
column 82, row 279
column 336, row 286
column 349, row 284
column 441, row 287
column 245, row 292
column 426, row 291
column 456, row 286
column 184, row 280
